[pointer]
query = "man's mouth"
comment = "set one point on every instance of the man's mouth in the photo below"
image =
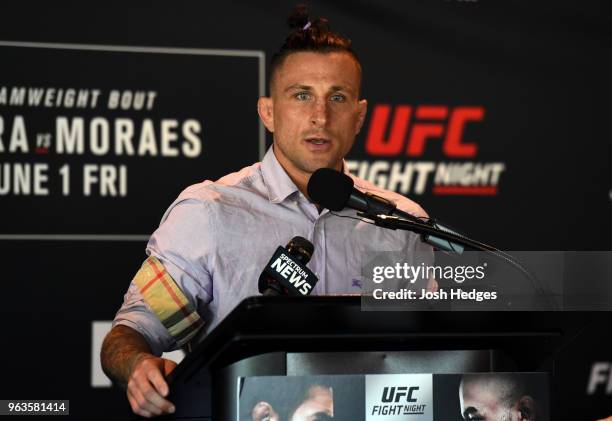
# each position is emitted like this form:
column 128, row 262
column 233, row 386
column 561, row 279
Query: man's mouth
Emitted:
column 318, row 144
column 317, row 141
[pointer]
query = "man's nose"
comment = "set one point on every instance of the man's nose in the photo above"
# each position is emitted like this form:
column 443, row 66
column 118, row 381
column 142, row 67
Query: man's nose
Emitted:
column 320, row 112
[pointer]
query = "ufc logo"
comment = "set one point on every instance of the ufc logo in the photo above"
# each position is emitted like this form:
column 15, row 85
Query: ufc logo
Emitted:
column 393, row 394
column 425, row 122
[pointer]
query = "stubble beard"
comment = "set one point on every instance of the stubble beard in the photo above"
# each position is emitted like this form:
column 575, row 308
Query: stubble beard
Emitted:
column 302, row 163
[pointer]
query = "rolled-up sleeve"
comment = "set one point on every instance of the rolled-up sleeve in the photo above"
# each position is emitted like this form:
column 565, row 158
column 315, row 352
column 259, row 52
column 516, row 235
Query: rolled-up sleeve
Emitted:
column 136, row 314
column 182, row 245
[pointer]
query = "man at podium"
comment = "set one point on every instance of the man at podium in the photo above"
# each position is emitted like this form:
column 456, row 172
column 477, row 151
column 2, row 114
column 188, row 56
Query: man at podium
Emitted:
column 215, row 239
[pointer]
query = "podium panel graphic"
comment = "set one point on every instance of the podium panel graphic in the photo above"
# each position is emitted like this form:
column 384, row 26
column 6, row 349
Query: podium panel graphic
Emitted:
column 274, row 341
column 393, row 397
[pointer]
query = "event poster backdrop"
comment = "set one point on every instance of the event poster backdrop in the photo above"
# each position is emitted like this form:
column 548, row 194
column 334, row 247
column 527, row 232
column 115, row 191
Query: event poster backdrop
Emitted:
column 394, row 397
column 492, row 115
column 118, row 129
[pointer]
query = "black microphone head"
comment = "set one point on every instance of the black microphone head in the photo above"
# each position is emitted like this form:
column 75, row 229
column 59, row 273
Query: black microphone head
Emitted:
column 286, row 273
column 330, row 189
column 300, row 248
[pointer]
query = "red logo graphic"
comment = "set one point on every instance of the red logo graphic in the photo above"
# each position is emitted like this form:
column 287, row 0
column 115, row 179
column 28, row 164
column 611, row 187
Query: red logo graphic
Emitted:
column 421, row 132
column 406, row 131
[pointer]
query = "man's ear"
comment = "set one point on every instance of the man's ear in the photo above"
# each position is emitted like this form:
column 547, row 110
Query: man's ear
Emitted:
column 265, row 109
column 527, row 408
column 362, row 110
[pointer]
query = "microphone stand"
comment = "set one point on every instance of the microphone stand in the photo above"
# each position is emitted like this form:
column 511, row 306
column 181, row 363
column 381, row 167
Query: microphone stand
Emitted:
column 424, row 229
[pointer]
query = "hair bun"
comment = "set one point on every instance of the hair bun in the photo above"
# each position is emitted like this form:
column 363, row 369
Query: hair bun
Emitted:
column 299, row 17
column 309, row 34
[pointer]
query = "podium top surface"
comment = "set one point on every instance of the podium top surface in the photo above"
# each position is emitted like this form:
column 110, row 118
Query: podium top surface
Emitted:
column 338, row 323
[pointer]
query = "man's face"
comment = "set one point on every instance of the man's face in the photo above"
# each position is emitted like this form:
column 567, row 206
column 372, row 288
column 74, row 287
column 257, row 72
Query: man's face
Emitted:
column 480, row 401
column 318, row 405
column 314, row 110
column 263, row 411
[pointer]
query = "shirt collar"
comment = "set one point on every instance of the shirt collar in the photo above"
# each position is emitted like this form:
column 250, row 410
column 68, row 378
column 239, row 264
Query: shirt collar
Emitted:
column 279, row 185
column 276, row 179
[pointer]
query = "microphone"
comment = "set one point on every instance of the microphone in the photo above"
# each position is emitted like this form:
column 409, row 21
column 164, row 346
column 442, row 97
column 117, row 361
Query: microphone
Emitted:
column 286, row 272
column 335, row 191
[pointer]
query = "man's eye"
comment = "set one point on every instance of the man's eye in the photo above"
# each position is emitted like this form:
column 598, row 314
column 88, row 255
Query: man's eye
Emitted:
column 302, row 96
column 338, row 98
column 471, row 414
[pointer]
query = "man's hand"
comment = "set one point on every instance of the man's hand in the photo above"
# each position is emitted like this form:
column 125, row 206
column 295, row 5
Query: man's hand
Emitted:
column 126, row 358
column 147, row 387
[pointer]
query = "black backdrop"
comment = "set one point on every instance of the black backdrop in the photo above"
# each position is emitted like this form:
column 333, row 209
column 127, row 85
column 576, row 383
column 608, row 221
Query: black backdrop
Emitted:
column 534, row 77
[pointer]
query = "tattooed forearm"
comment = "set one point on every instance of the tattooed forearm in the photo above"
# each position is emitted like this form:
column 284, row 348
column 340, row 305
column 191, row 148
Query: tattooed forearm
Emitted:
column 123, row 347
